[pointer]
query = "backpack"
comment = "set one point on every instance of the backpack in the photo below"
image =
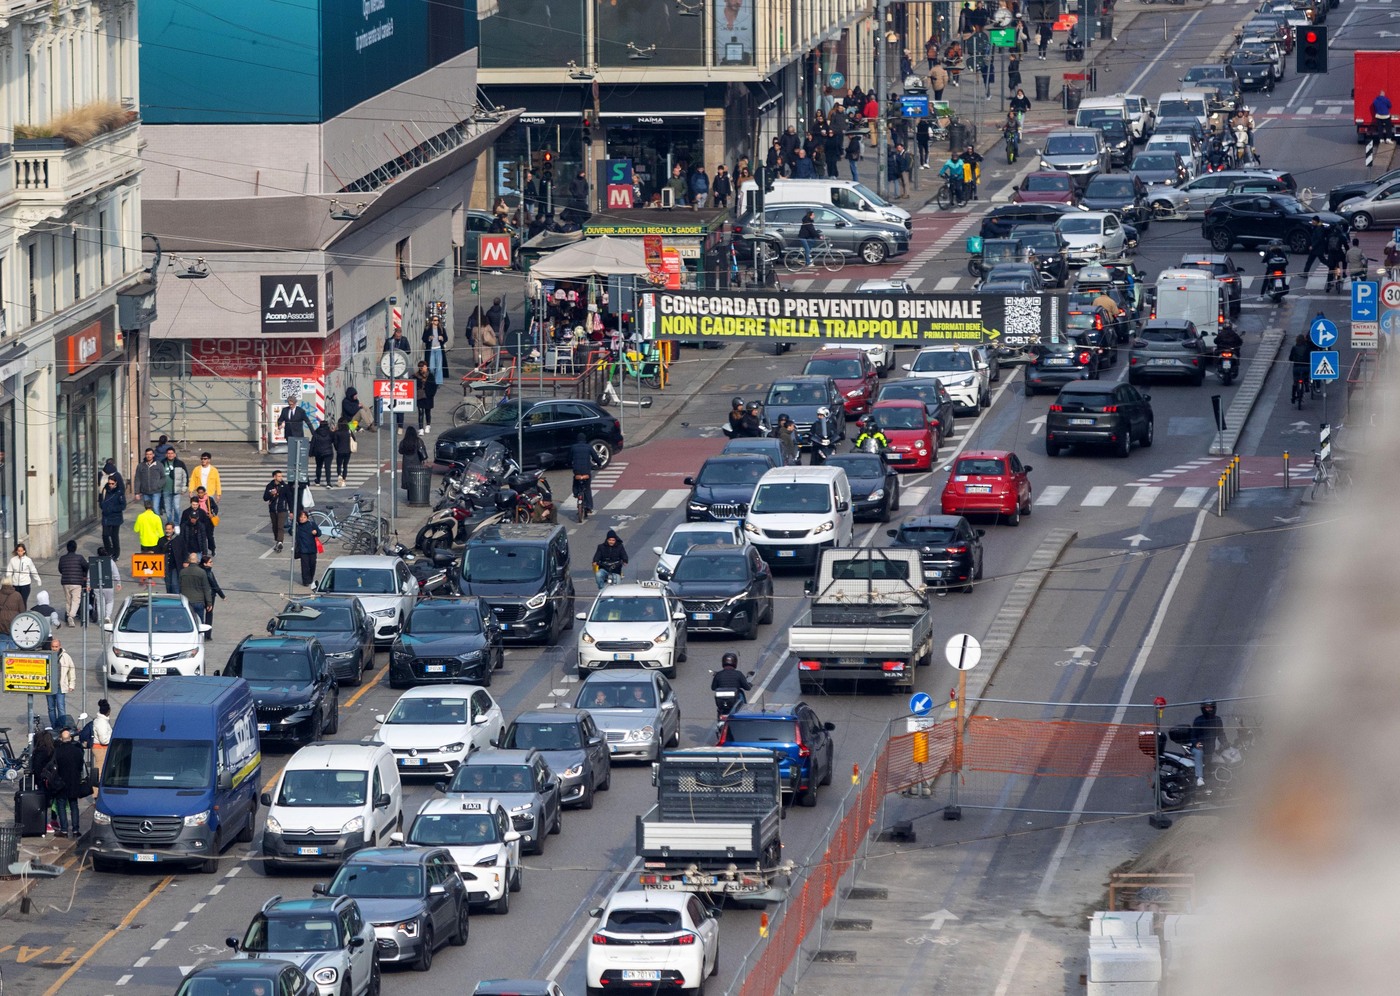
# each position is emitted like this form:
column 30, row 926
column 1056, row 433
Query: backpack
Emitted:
column 50, row 780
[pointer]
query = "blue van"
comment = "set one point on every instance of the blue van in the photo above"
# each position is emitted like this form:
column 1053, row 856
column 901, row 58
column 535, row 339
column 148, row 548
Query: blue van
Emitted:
column 182, row 775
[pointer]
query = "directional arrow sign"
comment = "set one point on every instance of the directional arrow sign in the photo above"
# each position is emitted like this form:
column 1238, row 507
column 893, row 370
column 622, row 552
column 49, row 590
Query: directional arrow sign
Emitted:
column 1322, row 332
column 1135, row 540
column 1288, row 521
column 920, row 704
column 1300, row 427
column 937, row 920
column 1036, row 424
column 1363, row 300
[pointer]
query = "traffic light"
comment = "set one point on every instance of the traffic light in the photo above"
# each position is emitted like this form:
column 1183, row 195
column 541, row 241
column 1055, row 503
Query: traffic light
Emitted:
column 547, row 167
column 587, row 125
column 1311, row 44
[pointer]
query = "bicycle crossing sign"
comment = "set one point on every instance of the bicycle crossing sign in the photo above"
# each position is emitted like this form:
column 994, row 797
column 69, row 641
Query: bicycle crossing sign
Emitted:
column 1322, row 332
column 1325, row 364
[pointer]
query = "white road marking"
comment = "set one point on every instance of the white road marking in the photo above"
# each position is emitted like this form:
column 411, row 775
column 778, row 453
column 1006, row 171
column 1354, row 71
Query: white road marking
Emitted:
column 1144, row 497
column 123, row 980
column 215, row 890
column 945, row 284
column 1098, row 496
column 1052, row 494
column 162, row 942
column 141, row 962
column 913, row 496
column 196, row 908
column 1191, row 497
column 1019, row 949
column 672, row 498
column 546, row 705
column 623, row 499
column 179, row 926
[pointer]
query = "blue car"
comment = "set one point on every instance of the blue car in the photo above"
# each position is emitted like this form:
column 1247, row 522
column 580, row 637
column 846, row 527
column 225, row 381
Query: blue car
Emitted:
column 802, row 742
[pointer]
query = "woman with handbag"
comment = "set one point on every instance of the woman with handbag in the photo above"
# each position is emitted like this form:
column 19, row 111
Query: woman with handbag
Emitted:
column 41, row 768
column 22, row 572
column 413, row 454
column 72, row 780
column 306, row 543
column 344, row 441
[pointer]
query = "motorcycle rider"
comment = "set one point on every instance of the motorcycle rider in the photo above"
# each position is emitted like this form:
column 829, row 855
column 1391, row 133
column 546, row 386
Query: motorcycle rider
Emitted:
column 823, row 436
column 870, row 433
column 736, row 417
column 1216, row 156
column 1228, row 338
column 750, row 423
column 1275, row 258
column 1207, row 737
column 729, row 676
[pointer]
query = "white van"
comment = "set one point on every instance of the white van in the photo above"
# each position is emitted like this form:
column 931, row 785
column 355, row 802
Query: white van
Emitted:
column 1185, row 104
column 856, row 198
column 1094, row 109
column 331, row 799
column 1196, row 296
column 797, row 512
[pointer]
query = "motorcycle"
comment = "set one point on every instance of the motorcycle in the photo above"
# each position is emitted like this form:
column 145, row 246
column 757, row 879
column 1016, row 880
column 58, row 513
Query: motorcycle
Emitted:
column 434, row 573
column 1227, row 365
column 1176, row 769
column 1275, row 286
column 456, row 524
column 823, row 448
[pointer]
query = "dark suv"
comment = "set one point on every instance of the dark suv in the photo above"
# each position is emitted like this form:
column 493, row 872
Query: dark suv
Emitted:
column 521, row 573
column 793, row 732
column 799, row 398
column 1257, row 219
column 545, row 426
column 1112, row 415
column 297, row 696
column 724, row 486
column 1056, row 363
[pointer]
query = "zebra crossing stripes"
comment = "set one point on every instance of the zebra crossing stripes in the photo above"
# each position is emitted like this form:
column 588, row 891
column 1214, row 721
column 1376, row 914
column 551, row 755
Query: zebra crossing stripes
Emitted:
column 1144, row 497
column 1098, row 496
column 1139, row 496
column 1052, row 494
column 1191, row 497
column 946, row 284
column 609, row 476
column 673, row 498
column 623, row 499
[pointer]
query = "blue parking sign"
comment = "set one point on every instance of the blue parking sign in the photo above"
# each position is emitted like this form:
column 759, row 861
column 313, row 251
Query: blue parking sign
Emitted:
column 1364, row 294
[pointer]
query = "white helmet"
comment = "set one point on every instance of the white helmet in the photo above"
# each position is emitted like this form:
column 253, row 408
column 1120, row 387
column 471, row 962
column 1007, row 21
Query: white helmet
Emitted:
column 823, row 412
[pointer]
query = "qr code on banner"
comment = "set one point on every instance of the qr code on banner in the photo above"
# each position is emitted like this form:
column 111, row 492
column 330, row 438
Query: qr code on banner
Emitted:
column 1023, row 320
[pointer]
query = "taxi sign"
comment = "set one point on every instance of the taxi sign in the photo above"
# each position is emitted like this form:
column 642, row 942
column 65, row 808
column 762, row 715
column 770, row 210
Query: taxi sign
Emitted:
column 1325, row 364
column 147, row 565
column 1322, row 332
column 30, row 673
column 472, row 805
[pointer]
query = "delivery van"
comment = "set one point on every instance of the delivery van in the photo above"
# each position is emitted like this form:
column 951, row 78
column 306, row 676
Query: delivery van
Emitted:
column 1194, row 295
column 797, row 512
column 849, row 196
column 182, row 775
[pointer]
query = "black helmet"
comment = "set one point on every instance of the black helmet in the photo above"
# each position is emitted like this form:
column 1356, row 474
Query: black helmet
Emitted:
column 754, row 406
column 736, row 402
column 729, row 660
column 1208, row 705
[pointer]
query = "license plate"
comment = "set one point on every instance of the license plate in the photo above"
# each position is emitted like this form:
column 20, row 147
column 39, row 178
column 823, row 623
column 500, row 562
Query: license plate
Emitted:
column 700, row 616
column 786, row 553
column 1081, row 421
column 612, row 748
column 624, row 657
column 979, row 489
column 851, row 661
column 435, row 668
column 264, row 727
column 938, row 574
column 412, row 762
column 146, row 858
column 641, row 975
column 1160, row 362
column 505, row 625
column 309, row 851
column 1056, row 361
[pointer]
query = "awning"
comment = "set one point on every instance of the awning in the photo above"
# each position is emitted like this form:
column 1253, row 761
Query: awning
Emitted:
column 601, row 257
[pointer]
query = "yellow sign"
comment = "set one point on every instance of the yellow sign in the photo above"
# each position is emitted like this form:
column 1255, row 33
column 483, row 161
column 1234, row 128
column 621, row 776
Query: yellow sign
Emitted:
column 145, row 565
column 30, row 673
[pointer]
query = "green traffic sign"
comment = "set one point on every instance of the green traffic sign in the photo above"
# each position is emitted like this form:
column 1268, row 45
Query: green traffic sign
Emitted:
column 475, row 287
column 1003, row 37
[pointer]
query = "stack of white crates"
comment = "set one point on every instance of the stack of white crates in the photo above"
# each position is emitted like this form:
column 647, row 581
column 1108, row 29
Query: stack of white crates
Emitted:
column 1125, row 954
column 1178, row 937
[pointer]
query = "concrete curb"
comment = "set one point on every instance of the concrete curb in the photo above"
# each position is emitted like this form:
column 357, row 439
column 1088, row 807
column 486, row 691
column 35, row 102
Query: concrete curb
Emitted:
column 1251, row 386
column 13, row 891
column 686, row 394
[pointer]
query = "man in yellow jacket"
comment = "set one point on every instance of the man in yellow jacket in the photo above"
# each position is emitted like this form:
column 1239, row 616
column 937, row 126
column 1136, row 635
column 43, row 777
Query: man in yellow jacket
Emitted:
column 149, row 529
column 206, row 476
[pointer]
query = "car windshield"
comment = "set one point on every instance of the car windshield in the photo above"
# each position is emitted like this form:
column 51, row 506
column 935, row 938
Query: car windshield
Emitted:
column 1198, row 73
column 871, row 196
column 710, row 567
column 1043, row 240
column 1086, row 399
column 1179, row 108
column 365, row 880
column 838, row 369
column 165, row 764
column 789, row 393
column 278, row 934
column 681, row 542
column 479, row 779
column 732, row 472
column 1104, row 185
column 425, row 711
column 1164, row 335
column 358, row 581
column 902, row 418
column 927, row 535
column 759, row 731
column 542, row 736
column 1181, row 146
column 796, row 497
column 284, row 667
column 331, row 619
column 628, row 609
column 1044, row 182
column 506, row 413
column 1290, row 205
column 169, row 617
column 1154, row 160
column 979, row 467
column 859, row 465
column 1114, row 128
column 651, row 920
column 1080, row 320
column 453, row 829
column 1070, row 145
column 325, row 787
column 616, row 695
column 491, row 563
column 443, row 617
column 1073, row 225
column 942, row 359
column 1251, row 55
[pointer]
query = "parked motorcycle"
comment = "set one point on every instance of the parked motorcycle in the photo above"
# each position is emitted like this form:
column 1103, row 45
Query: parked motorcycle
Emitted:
column 433, row 572
column 455, row 524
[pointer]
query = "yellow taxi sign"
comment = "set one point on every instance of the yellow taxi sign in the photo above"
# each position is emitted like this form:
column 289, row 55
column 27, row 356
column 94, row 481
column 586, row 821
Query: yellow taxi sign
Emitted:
column 29, row 673
column 147, row 565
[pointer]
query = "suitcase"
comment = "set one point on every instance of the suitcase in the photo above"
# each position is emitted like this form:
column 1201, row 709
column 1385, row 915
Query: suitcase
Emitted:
column 31, row 813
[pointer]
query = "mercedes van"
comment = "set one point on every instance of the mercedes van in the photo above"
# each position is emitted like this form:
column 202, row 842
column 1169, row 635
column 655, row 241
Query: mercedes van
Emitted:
column 797, row 512
column 848, row 195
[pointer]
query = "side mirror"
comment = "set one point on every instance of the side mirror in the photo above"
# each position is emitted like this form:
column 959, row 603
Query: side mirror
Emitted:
column 678, row 616
column 480, row 720
column 356, row 943
column 580, row 615
column 828, row 727
column 662, row 574
column 107, row 627
column 690, row 481
column 594, row 741
column 381, row 718
column 714, row 912
column 892, row 533
column 1028, row 468
column 320, row 889
column 231, row 942
column 271, row 625
column 382, row 801
column 511, row 836
column 655, row 772
column 218, row 672
column 265, row 798
column 843, row 506
column 440, row 787
column 396, row 837
column 596, row 912
column 437, row 890
column 981, row 532
column 902, row 366
column 808, row 586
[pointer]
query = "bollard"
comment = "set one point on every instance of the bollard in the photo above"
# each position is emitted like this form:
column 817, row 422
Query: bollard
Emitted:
column 1287, row 481
column 1235, row 478
column 1220, row 496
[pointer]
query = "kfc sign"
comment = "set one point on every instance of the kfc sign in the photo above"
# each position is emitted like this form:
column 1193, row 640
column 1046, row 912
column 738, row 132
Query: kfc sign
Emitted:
column 289, row 304
column 84, row 346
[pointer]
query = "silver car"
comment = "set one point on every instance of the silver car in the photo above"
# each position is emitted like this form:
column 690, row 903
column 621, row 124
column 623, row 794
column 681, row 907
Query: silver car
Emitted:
column 638, row 713
column 1191, row 199
column 1380, row 205
column 524, row 783
column 1080, row 152
column 326, row 937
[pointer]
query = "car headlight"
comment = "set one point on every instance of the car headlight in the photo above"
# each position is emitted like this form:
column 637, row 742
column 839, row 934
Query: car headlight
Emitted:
column 325, row 976
column 537, row 602
column 918, row 444
column 854, row 394
column 586, row 638
column 825, row 527
column 183, row 655
column 354, row 826
column 197, row 819
column 469, row 658
column 663, row 637
column 454, row 748
column 642, row 735
column 1169, row 181
column 876, row 495
column 520, row 809
column 733, row 599
column 384, row 613
column 750, row 528
column 127, row 655
column 102, row 819
column 272, row 826
column 696, row 506
column 574, row 772
column 409, row 928
column 343, row 655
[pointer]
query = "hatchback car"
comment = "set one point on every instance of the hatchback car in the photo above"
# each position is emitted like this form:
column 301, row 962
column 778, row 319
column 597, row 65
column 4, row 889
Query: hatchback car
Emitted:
column 964, row 374
column 632, row 626
column 868, row 241
column 723, row 589
column 1344, row 192
column 1225, row 270
column 1014, row 279
column 1168, row 348
column 384, row 586
column 1092, row 236
column 340, row 624
column 1381, row 205
column 152, row 636
column 1047, row 187
column 477, row 832
column 1114, row 415
column 1080, row 152
column 517, row 987
column 297, row 696
column 874, row 483
column 328, row 939
column 573, row 747
column 937, row 401
column 1056, row 363
column 1184, row 145
column 949, row 548
column 639, row 714
column 988, row 481
column 524, row 783
column 1002, row 220
column 247, row 976
column 854, row 373
column 447, row 640
column 653, row 940
column 412, row 895
column 912, row 436
column 546, row 426
column 723, row 488
column 1160, row 166
column 433, row 729
column 1255, row 68
column 806, row 752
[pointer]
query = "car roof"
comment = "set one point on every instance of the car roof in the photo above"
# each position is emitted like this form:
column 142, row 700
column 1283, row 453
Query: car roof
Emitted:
column 632, row 898
column 932, row 521
column 334, row 754
column 363, row 561
column 1175, row 324
column 408, row 855
column 513, row 987
column 504, row 755
column 319, row 601
column 876, row 284
column 625, row 675
column 768, row 710
column 299, row 643
column 634, row 589
column 714, row 549
column 900, row 403
column 525, row 533
column 243, row 968
column 551, row 715
column 1194, row 258
column 460, row 802
column 984, row 454
column 280, row 908
column 738, row 456
column 840, row 353
column 699, row 527
column 433, row 691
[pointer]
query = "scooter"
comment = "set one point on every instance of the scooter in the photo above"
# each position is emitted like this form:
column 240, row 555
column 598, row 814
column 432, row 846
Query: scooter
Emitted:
column 433, row 573
column 1275, row 286
column 823, row 449
column 729, row 699
column 1227, row 365
column 456, row 524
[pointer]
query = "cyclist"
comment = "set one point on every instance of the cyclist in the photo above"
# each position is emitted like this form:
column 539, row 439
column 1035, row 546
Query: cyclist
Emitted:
column 1300, row 355
column 952, row 171
column 1020, row 104
column 808, row 234
column 581, row 457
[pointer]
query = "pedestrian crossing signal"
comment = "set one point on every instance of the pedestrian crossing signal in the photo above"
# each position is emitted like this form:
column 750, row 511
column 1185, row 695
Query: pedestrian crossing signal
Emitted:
column 1310, row 41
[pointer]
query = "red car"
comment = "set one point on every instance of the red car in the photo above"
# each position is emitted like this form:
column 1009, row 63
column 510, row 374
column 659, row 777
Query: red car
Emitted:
column 988, row 481
column 1045, row 188
column 854, row 373
column 913, row 437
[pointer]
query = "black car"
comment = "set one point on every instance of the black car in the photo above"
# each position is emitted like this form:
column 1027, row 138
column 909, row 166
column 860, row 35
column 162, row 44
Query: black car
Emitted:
column 1017, row 279
column 937, row 401
column 724, row 589
column 546, row 425
column 1083, row 313
column 1049, row 247
column 799, row 398
column 1099, row 414
column 724, row 487
column 1001, row 220
column 412, row 895
column 949, row 548
column 1254, row 68
column 247, row 975
column 874, row 483
column 296, row 695
column 1224, row 269
column 343, row 627
column 1056, row 363
column 1257, row 219
column 1123, row 194
column 1118, row 136
column 446, row 640
column 521, row 572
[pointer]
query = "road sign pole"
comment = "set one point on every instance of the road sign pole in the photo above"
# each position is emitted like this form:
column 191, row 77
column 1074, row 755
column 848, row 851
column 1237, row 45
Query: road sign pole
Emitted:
column 1158, row 820
column 962, row 652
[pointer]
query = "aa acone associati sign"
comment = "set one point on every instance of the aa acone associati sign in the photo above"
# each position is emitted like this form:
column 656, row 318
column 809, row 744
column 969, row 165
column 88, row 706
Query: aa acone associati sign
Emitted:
column 912, row 319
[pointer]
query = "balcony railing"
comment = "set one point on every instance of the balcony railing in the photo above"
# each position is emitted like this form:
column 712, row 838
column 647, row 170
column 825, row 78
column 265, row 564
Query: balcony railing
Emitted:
column 49, row 171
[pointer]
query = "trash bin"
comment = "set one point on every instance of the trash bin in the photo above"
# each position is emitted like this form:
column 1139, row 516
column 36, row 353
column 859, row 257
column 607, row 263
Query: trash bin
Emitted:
column 1106, row 29
column 958, row 136
column 1042, row 88
column 419, row 481
column 9, row 845
column 1073, row 95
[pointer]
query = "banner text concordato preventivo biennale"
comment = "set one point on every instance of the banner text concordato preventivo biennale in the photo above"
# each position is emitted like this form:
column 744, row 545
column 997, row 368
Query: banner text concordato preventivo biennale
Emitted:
column 905, row 319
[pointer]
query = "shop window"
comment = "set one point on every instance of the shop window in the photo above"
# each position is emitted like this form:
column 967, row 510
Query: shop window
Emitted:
column 652, row 32
column 734, row 32
column 403, row 261
column 534, row 33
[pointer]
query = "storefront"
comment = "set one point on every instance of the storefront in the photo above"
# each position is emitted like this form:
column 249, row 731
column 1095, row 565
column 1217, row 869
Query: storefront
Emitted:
column 89, row 361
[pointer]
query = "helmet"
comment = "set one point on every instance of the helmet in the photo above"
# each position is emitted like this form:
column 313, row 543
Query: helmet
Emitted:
column 872, row 426
column 1208, row 704
column 823, row 412
column 729, row 660
column 754, row 406
column 736, row 402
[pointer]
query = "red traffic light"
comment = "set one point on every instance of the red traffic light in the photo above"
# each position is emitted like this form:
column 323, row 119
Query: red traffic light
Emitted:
column 1310, row 37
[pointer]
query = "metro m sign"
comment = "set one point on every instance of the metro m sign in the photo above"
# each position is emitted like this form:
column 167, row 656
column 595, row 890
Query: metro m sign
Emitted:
column 620, row 196
column 493, row 252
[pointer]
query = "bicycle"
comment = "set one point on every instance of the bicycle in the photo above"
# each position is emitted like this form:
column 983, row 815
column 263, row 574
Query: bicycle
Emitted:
column 950, row 197
column 795, row 258
column 1325, row 478
column 1302, row 387
column 583, row 495
column 13, row 767
column 1013, row 146
column 359, row 531
column 475, row 394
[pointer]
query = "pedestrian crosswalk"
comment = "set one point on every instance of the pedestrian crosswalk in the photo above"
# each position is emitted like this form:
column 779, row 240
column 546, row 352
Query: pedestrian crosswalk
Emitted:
column 245, row 478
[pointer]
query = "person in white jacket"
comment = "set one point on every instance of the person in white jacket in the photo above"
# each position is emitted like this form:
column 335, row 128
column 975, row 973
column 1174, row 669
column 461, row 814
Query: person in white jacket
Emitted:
column 22, row 573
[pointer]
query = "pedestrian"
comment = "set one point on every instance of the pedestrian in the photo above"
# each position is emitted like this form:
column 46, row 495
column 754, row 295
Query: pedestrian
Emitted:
column 101, row 736
column 424, row 390
column 609, row 559
column 69, row 760
column 678, row 186
column 293, row 420
column 43, row 608
column 73, row 576
column 486, row 343
column 194, row 585
column 774, row 160
column 853, row 155
column 323, row 445
column 352, row 410
column 306, row 540
column 831, row 152
column 169, row 548
column 343, row 441
column 206, row 564
column 112, row 503
column 938, row 81
column 1317, row 243
column 922, row 134
column 278, row 495
column 1046, row 34
column 67, row 684
column 953, row 62
column 45, row 772
column 802, row 168
column 413, row 454
column 1013, row 71
column 148, row 528
column 699, row 187
column 498, row 318
column 22, row 572
column 871, row 113
column 787, row 439
column 205, row 502
column 196, row 531
column 104, row 582
column 904, row 163
column 176, row 483
column 206, row 476
column 787, row 145
column 721, row 188
column 989, row 74
column 150, row 480
column 435, row 341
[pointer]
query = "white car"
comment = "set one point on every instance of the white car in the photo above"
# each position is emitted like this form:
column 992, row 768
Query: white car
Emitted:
column 433, row 728
column 689, row 534
column 964, row 372
column 1141, row 117
column 1092, row 236
column 1183, row 145
column 646, row 935
column 153, row 636
column 632, row 625
column 383, row 585
column 1191, row 199
column 476, row 830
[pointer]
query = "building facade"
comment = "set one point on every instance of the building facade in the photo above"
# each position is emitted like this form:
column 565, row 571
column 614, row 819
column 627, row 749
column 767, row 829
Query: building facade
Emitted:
column 322, row 184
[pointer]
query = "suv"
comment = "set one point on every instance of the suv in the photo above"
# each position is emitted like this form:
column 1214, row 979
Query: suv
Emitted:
column 1257, row 219
column 799, row 398
column 447, row 640
column 384, row 586
column 162, row 626
column 724, row 486
column 1099, row 414
column 328, row 939
column 854, row 373
column 801, row 741
column 546, row 426
column 297, row 696
column 1168, row 347
column 1080, row 152
column 869, row 241
column 963, row 372
column 521, row 573
column 524, row 783
column 633, row 625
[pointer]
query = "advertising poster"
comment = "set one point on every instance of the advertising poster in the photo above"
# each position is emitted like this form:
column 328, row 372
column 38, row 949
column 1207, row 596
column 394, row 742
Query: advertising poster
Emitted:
column 734, row 32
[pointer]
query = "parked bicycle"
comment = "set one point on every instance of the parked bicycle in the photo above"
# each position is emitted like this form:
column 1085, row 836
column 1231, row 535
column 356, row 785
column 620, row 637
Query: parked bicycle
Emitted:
column 360, row 531
column 480, row 396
